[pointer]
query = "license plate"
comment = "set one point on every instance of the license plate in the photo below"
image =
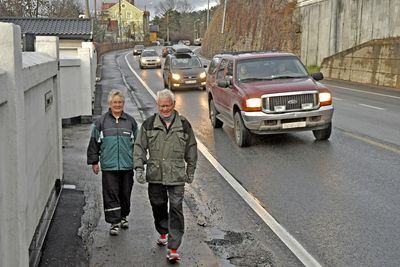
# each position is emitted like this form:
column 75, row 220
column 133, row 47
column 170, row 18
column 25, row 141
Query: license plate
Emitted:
column 293, row 125
column 190, row 82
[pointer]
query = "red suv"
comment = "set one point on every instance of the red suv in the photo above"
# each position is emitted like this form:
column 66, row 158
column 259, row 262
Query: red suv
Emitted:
column 267, row 93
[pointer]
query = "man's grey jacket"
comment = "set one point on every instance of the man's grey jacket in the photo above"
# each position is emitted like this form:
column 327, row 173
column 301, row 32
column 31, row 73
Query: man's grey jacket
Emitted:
column 172, row 154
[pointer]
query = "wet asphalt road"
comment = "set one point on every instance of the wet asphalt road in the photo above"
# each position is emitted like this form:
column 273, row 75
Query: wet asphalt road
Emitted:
column 339, row 198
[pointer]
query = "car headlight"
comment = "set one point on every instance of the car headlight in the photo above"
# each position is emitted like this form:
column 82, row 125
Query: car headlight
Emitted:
column 176, row 76
column 143, row 61
column 253, row 104
column 158, row 60
column 325, row 98
column 202, row 75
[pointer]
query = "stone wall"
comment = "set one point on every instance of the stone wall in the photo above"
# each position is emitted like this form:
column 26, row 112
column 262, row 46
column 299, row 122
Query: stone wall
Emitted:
column 375, row 62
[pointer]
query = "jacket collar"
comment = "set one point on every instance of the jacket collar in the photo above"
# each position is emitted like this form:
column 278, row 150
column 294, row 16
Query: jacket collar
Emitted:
column 123, row 114
column 177, row 122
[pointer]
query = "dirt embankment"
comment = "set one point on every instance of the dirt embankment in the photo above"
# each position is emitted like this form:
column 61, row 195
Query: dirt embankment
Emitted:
column 254, row 25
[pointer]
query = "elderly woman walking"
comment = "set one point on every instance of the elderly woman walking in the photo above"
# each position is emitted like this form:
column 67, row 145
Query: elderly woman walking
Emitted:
column 111, row 145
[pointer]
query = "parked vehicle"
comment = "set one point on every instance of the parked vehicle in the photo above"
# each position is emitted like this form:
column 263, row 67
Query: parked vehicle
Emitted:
column 184, row 42
column 137, row 49
column 149, row 59
column 267, row 93
column 184, row 70
column 197, row 41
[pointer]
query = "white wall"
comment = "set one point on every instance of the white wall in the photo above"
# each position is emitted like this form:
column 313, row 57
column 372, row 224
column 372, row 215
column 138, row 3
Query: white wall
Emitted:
column 30, row 141
column 77, row 83
column 332, row 26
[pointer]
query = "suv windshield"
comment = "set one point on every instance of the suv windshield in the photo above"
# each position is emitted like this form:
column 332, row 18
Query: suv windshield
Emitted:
column 182, row 63
column 269, row 69
column 151, row 53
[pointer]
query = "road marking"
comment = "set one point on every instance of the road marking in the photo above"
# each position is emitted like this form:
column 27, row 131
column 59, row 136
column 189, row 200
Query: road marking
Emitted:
column 297, row 249
column 368, row 106
column 371, row 142
column 140, row 79
column 366, row 92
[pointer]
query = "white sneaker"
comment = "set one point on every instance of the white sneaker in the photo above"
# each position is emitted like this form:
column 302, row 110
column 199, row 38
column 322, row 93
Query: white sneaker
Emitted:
column 114, row 230
column 124, row 223
column 162, row 240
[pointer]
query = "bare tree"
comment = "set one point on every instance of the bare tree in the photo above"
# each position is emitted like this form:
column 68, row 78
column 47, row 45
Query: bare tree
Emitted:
column 40, row 8
column 182, row 6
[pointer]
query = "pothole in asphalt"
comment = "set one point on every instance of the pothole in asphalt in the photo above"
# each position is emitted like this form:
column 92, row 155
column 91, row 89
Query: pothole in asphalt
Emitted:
column 240, row 249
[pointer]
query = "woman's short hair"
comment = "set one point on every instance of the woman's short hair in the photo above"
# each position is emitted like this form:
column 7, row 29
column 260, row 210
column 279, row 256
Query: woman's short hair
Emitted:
column 166, row 93
column 115, row 92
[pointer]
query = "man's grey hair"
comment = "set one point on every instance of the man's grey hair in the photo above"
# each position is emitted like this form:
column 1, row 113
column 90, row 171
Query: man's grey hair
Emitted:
column 166, row 93
column 113, row 93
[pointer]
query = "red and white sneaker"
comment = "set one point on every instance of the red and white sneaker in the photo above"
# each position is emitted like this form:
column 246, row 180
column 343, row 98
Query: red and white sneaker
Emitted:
column 162, row 240
column 172, row 255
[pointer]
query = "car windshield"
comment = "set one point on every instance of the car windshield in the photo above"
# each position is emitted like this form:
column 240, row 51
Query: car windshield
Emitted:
column 139, row 47
column 270, row 69
column 151, row 53
column 183, row 63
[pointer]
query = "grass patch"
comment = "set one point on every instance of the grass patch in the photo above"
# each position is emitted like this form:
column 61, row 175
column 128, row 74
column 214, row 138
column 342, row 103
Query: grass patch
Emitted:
column 313, row 68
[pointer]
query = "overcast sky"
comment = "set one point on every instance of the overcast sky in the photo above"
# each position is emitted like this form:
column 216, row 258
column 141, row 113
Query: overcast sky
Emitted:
column 150, row 5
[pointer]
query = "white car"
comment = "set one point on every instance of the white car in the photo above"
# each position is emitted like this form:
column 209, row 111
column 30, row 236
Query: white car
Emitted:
column 149, row 59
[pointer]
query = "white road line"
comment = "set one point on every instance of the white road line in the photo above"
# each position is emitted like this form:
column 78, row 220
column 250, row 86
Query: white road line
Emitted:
column 297, row 249
column 361, row 91
column 368, row 106
column 140, row 79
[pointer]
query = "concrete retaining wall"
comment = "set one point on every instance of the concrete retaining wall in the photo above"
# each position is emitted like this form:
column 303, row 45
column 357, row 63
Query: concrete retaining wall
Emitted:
column 332, row 26
column 375, row 62
column 30, row 143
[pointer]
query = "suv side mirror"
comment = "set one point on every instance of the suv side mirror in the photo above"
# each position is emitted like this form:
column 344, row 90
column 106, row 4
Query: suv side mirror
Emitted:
column 224, row 83
column 317, row 76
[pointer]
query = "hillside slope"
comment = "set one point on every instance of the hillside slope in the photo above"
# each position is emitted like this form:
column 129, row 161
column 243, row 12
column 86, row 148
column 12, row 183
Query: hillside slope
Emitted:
column 253, row 25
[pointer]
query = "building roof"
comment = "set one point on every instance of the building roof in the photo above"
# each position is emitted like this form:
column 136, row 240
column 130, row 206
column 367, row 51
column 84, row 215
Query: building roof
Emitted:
column 64, row 28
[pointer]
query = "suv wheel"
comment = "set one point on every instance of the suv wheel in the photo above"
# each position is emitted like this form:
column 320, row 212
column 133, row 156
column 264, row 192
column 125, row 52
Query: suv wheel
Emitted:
column 242, row 134
column 212, row 111
column 323, row 134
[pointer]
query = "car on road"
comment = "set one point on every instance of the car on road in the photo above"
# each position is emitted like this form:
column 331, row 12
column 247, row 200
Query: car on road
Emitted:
column 198, row 41
column 149, row 58
column 267, row 93
column 184, row 70
column 184, row 42
column 137, row 49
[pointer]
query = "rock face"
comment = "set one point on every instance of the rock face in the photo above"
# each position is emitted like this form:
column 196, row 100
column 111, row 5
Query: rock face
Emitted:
column 254, row 25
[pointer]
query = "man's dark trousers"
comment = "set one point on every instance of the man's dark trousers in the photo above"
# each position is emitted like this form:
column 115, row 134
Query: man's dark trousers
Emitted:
column 168, row 222
column 117, row 188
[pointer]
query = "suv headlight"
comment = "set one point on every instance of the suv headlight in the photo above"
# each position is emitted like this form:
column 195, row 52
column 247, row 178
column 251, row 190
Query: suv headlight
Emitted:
column 325, row 98
column 143, row 60
column 202, row 75
column 176, row 76
column 253, row 104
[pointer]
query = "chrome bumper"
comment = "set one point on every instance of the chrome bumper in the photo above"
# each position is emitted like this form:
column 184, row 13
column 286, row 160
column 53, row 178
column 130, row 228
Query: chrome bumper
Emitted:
column 263, row 123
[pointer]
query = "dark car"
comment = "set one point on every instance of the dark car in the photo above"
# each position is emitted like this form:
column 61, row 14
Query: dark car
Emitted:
column 267, row 93
column 137, row 49
column 184, row 70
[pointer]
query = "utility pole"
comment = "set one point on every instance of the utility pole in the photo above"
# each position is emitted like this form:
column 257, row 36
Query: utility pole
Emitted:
column 208, row 12
column 119, row 22
column 95, row 9
column 168, row 26
column 223, row 17
column 87, row 12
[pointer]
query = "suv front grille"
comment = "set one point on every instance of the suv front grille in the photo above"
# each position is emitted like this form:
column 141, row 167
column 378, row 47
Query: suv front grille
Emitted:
column 290, row 102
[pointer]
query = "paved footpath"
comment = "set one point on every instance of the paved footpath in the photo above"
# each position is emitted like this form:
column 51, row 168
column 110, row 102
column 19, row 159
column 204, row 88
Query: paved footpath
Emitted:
column 220, row 229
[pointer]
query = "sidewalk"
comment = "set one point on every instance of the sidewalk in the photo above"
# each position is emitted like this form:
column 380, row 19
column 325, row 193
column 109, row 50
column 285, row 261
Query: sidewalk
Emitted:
column 220, row 228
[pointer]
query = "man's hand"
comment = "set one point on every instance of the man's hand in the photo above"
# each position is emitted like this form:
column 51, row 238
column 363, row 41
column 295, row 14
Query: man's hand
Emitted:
column 96, row 168
column 190, row 178
column 140, row 176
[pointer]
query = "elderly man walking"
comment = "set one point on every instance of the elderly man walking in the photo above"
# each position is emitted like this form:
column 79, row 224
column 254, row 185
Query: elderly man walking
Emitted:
column 169, row 141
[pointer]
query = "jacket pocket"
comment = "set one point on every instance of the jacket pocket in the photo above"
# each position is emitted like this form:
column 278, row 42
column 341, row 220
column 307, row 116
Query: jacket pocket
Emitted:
column 180, row 142
column 153, row 142
column 153, row 171
column 179, row 171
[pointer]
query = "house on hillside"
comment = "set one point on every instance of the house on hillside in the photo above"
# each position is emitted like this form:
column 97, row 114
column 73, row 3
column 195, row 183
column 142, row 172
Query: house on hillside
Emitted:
column 78, row 61
column 124, row 19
